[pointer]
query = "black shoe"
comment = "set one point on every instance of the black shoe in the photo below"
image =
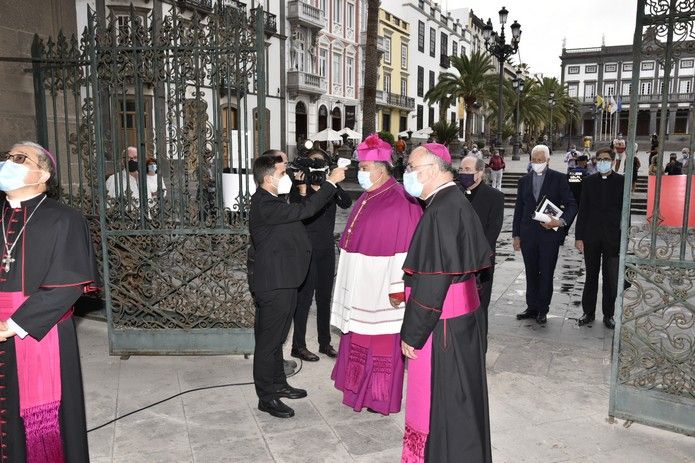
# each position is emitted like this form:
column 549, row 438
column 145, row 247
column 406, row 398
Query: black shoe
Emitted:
column 528, row 313
column 304, row 354
column 585, row 319
column 541, row 319
column 289, row 392
column 276, row 408
column 609, row 323
column 329, row 351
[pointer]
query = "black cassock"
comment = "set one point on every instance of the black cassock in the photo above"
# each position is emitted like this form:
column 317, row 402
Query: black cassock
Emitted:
column 448, row 247
column 53, row 265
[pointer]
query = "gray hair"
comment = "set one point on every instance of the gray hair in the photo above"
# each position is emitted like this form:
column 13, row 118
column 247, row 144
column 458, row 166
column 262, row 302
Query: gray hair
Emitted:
column 479, row 163
column 45, row 161
column 542, row 148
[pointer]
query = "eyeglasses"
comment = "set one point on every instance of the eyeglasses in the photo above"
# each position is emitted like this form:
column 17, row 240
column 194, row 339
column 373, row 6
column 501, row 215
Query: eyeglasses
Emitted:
column 18, row 158
column 409, row 167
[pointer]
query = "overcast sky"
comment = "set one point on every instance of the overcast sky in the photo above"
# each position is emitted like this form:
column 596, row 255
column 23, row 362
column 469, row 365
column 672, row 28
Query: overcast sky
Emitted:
column 545, row 22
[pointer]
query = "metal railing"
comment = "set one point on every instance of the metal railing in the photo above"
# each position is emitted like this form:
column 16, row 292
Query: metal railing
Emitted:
column 201, row 5
column 307, row 14
column 401, row 101
column 269, row 21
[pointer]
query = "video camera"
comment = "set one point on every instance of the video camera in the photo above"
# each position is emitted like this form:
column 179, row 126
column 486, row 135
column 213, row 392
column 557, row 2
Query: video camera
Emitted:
column 315, row 170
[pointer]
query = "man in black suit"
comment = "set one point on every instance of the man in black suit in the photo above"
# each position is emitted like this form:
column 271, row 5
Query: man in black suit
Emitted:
column 539, row 242
column 597, row 236
column 282, row 252
column 488, row 204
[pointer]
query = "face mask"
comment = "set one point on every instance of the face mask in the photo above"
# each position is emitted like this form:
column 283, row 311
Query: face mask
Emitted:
column 12, row 176
column 412, row 185
column 132, row 166
column 152, row 168
column 604, row 166
column 284, row 185
column 467, row 180
column 364, row 180
column 538, row 168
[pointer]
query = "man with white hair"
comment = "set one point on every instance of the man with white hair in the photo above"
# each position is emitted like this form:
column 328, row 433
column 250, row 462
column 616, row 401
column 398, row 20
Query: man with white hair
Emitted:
column 540, row 242
column 124, row 184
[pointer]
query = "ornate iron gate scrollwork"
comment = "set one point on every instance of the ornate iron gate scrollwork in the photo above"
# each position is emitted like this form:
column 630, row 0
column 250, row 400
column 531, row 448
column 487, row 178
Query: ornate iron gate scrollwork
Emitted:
column 176, row 88
column 653, row 374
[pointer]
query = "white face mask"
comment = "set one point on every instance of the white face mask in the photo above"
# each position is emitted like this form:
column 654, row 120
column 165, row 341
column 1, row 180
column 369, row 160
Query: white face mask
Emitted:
column 538, row 168
column 284, row 185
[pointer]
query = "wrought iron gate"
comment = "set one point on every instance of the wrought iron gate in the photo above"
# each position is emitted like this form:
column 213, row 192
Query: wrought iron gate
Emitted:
column 653, row 373
column 177, row 87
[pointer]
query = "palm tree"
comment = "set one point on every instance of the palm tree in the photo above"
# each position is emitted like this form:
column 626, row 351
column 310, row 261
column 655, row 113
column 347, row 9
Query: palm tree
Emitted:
column 445, row 132
column 371, row 69
column 472, row 82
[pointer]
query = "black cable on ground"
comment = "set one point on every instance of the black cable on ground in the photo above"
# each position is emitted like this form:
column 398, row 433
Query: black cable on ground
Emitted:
column 301, row 364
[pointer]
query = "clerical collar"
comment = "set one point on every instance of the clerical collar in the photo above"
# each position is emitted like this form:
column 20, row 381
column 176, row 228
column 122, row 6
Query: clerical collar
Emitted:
column 439, row 188
column 15, row 204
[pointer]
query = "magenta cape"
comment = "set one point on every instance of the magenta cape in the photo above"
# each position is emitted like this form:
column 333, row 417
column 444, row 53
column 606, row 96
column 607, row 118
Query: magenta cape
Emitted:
column 382, row 221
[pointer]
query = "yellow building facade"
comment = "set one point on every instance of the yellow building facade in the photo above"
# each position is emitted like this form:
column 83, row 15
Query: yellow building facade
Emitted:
column 392, row 97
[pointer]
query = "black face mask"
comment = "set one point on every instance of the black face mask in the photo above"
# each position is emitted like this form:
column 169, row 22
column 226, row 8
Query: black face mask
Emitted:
column 467, row 180
column 132, row 166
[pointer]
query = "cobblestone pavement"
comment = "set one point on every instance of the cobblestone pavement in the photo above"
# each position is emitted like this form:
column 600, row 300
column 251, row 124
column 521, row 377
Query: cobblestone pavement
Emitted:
column 548, row 391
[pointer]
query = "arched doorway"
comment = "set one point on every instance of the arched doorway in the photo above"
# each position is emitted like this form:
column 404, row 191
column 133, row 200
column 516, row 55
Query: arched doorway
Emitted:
column 336, row 119
column 300, row 124
column 323, row 118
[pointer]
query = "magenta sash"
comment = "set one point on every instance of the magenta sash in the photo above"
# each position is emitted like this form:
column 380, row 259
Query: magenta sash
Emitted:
column 461, row 299
column 38, row 373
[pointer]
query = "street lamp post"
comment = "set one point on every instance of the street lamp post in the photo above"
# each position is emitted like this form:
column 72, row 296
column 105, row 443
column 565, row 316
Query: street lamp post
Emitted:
column 518, row 84
column 495, row 45
column 551, row 103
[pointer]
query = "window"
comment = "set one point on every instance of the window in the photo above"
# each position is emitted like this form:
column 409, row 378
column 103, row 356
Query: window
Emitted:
column 337, row 68
column 403, row 124
column 420, row 81
column 572, row 69
column 386, row 122
column 573, row 90
column 404, row 56
column 349, row 71
column 421, row 5
column 453, row 117
column 589, row 90
column 337, row 10
column 685, row 85
column 123, row 23
column 612, row 67
column 433, row 42
column 431, row 80
column 687, row 63
column 661, row 86
column 323, row 61
column 627, row 67
column 128, row 116
column 387, row 83
column 609, row 89
column 627, row 88
column 404, row 86
column 463, row 50
column 350, row 16
column 430, row 118
column 645, row 87
column 418, row 123
column 445, row 44
column 454, row 48
column 387, row 53
column 591, row 69
column 648, row 65
column 421, row 36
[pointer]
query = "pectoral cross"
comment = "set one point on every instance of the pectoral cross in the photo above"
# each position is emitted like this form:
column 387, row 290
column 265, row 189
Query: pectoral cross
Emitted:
column 7, row 260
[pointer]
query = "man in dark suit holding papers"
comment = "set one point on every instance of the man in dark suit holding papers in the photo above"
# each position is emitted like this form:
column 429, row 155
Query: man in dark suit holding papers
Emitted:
column 539, row 242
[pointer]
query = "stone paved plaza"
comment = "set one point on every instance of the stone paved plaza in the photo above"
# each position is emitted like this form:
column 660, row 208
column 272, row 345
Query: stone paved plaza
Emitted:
column 548, row 390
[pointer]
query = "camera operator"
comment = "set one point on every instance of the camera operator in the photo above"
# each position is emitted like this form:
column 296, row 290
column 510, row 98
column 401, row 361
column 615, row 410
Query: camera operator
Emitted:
column 322, row 267
column 282, row 253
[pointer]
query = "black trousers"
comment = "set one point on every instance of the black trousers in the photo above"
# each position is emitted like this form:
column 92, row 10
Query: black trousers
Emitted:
column 274, row 311
column 318, row 281
column 598, row 257
column 540, row 258
column 485, row 279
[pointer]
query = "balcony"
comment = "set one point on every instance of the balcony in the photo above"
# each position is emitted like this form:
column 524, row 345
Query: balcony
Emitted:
column 233, row 4
column 400, row 101
column 299, row 82
column 270, row 26
column 380, row 97
column 648, row 98
column 380, row 42
column 302, row 13
column 203, row 6
column 444, row 61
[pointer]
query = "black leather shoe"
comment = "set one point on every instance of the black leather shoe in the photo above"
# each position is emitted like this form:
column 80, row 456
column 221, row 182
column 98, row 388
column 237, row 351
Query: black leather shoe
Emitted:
column 289, row 392
column 329, row 351
column 609, row 323
column 585, row 319
column 541, row 319
column 276, row 408
column 304, row 354
column 528, row 313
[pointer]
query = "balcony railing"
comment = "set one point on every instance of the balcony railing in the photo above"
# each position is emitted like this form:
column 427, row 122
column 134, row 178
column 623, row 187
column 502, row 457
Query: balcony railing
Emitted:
column 444, row 61
column 648, row 98
column 305, row 14
column 400, row 101
column 270, row 26
column 204, row 6
column 237, row 5
column 380, row 97
column 303, row 82
column 380, row 42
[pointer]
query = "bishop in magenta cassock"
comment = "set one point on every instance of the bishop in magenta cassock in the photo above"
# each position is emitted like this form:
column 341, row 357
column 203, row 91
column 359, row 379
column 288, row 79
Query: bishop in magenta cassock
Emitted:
column 368, row 296
column 47, row 263
column 446, row 414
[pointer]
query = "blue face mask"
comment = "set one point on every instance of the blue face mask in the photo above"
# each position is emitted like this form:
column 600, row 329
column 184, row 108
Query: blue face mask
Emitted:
column 152, row 168
column 604, row 166
column 412, row 185
column 364, row 180
column 12, row 176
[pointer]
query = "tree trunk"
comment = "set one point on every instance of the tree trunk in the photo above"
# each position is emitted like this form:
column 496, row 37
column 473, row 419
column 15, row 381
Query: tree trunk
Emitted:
column 467, row 126
column 371, row 69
